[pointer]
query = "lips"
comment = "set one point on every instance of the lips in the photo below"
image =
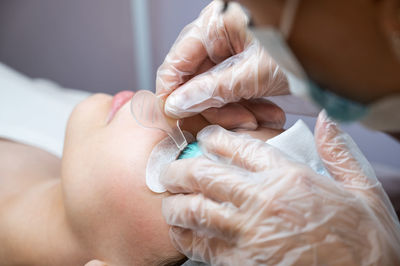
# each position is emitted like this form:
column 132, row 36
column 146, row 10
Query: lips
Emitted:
column 118, row 101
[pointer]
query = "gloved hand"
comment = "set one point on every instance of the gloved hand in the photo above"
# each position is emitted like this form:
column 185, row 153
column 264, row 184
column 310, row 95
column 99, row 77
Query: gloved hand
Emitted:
column 251, row 205
column 216, row 61
column 247, row 115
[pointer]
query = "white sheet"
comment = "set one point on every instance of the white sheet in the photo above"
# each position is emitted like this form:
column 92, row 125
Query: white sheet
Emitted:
column 35, row 111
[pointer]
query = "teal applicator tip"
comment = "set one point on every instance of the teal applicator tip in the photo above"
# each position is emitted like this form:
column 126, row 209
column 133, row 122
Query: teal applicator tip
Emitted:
column 192, row 150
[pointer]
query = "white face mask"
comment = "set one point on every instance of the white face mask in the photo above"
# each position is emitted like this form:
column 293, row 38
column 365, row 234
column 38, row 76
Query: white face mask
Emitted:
column 382, row 115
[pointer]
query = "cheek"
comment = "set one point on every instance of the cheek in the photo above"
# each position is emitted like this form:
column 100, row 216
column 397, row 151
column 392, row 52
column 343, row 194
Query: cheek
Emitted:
column 138, row 209
column 133, row 210
column 106, row 197
column 134, row 214
column 123, row 164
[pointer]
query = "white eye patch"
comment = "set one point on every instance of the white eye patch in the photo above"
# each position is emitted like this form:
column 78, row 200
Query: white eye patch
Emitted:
column 163, row 153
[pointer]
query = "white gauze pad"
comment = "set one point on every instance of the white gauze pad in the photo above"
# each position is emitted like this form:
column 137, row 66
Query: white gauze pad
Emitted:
column 299, row 144
column 163, row 154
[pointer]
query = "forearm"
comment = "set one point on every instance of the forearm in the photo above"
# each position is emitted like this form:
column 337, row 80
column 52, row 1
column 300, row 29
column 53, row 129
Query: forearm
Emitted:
column 33, row 228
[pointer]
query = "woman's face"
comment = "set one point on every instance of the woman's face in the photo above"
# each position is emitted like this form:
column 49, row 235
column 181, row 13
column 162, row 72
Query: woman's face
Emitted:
column 114, row 216
column 344, row 45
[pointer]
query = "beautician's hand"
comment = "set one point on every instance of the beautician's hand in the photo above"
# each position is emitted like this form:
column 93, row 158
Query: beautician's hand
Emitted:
column 248, row 115
column 216, row 61
column 251, row 205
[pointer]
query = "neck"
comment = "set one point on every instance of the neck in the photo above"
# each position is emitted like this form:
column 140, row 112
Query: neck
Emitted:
column 33, row 227
column 37, row 232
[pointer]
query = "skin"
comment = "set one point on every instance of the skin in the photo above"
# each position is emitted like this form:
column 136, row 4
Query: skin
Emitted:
column 92, row 206
column 343, row 45
column 333, row 38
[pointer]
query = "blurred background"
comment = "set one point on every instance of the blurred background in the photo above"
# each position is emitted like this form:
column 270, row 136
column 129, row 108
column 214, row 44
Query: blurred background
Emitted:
column 109, row 46
column 95, row 45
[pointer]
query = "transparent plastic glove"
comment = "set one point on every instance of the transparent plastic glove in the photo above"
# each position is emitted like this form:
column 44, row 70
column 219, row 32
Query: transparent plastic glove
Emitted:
column 247, row 115
column 216, row 61
column 251, row 205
